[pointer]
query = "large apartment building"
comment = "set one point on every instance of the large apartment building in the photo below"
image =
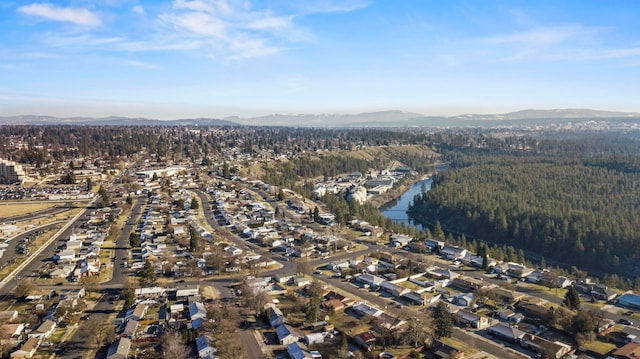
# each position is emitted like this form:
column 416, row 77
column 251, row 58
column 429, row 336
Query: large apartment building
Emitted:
column 10, row 172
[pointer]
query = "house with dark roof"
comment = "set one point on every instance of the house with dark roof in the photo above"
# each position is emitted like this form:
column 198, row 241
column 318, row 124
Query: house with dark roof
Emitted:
column 299, row 351
column 204, row 349
column 629, row 300
column 472, row 320
column 197, row 310
column 365, row 340
column 276, row 318
column 286, row 335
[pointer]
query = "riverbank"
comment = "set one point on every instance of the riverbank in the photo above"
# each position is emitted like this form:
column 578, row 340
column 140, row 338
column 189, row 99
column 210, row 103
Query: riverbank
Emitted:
column 397, row 190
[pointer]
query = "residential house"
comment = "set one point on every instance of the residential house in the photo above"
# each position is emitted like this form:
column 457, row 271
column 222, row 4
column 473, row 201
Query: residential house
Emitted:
column 629, row 300
column 119, row 349
column 472, row 320
column 534, row 310
column 453, row 252
column 44, row 330
column 467, row 284
column 130, row 329
column 400, row 240
column 629, row 351
column 506, row 296
column 286, row 334
column 390, row 322
column 465, row 300
column 433, row 246
column 370, row 279
column 275, row 316
column 510, row 316
column 301, row 281
column 8, row 316
column 365, row 340
column 27, row 350
column 11, row 332
column 204, row 349
column 506, row 333
column 424, row 298
column 336, row 304
column 139, row 311
column 596, row 291
column 555, row 349
column 394, row 289
column 233, row 251
column 197, row 310
column 75, row 293
column 299, row 351
column 149, row 292
column 187, row 290
column 366, row 309
column 603, row 293
column 443, row 350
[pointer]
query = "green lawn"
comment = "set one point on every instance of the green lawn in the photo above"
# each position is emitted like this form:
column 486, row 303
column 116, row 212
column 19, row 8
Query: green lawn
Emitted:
column 599, row 347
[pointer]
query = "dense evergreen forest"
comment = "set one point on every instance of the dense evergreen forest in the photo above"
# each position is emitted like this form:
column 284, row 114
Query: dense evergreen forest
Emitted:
column 574, row 198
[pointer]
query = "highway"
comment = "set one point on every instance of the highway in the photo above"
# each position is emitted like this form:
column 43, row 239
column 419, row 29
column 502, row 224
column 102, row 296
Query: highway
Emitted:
column 34, row 262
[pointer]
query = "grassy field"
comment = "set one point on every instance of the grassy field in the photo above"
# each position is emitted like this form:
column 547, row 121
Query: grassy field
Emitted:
column 599, row 347
column 12, row 210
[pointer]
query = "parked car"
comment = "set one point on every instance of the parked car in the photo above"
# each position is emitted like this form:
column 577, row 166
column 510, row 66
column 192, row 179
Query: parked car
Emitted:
column 625, row 321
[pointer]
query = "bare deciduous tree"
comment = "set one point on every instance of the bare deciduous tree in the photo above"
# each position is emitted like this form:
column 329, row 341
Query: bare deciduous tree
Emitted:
column 172, row 345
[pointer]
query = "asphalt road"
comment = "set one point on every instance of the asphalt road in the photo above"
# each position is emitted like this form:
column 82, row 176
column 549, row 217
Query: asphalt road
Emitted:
column 122, row 245
column 36, row 262
column 78, row 343
column 10, row 254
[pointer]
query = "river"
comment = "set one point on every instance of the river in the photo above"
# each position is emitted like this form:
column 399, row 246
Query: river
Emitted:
column 397, row 209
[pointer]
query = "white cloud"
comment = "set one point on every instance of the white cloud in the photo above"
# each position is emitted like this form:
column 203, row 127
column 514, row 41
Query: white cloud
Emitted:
column 539, row 37
column 79, row 16
column 138, row 9
column 271, row 22
column 220, row 29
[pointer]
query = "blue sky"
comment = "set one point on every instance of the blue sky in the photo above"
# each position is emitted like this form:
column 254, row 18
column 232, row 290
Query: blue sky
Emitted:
column 216, row 58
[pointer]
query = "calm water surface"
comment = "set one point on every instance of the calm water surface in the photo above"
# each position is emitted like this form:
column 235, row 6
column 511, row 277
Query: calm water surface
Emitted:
column 397, row 209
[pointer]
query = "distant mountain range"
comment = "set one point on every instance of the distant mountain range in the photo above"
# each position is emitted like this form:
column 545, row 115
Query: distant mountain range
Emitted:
column 370, row 119
column 109, row 121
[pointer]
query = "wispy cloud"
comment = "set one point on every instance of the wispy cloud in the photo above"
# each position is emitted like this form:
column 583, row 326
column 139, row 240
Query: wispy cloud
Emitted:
column 221, row 29
column 8, row 67
column 552, row 42
column 138, row 9
column 78, row 16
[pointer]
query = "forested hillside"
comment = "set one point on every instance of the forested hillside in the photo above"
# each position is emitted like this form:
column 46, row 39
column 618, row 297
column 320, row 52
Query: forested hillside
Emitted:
column 572, row 199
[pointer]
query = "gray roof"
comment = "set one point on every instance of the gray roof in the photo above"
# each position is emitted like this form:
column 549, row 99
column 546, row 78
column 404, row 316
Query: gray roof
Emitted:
column 506, row 331
column 119, row 348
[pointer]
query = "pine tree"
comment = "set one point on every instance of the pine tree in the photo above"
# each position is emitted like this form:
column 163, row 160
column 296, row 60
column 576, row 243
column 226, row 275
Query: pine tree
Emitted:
column 438, row 233
column 572, row 299
column 443, row 321
column 148, row 276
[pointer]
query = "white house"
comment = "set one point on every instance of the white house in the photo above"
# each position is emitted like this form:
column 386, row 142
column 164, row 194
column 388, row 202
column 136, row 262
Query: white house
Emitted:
column 44, row 330
column 453, row 252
